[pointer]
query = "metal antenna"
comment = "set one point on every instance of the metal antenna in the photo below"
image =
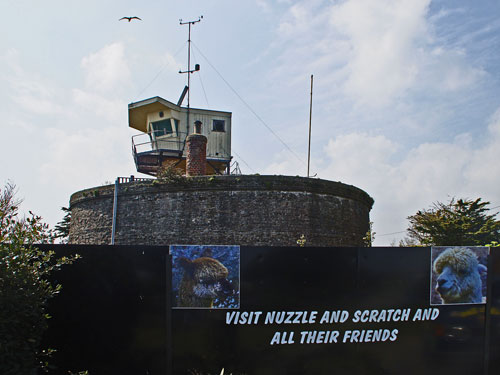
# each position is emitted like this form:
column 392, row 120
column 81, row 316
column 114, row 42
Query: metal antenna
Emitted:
column 310, row 120
column 189, row 71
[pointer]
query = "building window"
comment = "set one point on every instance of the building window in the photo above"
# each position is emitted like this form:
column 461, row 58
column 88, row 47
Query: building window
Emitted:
column 163, row 128
column 218, row 125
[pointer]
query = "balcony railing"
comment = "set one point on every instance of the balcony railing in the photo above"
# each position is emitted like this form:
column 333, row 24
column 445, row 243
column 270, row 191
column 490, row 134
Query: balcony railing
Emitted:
column 150, row 150
column 153, row 143
column 132, row 178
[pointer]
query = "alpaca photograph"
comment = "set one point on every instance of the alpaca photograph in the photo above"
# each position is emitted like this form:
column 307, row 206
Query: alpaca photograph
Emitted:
column 205, row 276
column 458, row 275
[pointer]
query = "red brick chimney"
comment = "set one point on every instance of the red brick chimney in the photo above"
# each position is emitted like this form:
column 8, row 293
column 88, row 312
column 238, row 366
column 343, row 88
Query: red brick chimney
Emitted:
column 196, row 152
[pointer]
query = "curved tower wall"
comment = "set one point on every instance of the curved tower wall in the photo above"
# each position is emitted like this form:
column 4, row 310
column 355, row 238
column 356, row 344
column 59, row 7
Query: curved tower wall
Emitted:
column 242, row 210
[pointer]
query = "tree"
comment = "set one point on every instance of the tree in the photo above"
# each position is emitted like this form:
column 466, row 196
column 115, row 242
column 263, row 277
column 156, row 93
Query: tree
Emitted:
column 62, row 228
column 461, row 222
column 369, row 236
column 24, row 288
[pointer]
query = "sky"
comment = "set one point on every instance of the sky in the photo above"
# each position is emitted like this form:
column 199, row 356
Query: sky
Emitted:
column 406, row 93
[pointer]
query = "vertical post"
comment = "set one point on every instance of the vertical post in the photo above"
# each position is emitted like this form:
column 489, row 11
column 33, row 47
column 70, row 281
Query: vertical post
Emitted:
column 189, row 77
column 189, row 71
column 310, row 120
column 168, row 278
column 487, row 312
column 189, row 59
column 115, row 209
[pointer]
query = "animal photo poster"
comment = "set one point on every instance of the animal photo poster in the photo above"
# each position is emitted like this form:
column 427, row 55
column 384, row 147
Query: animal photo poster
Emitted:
column 458, row 275
column 205, row 276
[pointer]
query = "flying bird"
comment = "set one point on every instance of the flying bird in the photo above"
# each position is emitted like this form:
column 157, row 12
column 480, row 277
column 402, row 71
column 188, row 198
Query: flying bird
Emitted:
column 130, row 18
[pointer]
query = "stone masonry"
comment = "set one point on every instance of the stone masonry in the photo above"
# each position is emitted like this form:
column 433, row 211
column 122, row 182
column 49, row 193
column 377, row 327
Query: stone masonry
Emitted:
column 241, row 210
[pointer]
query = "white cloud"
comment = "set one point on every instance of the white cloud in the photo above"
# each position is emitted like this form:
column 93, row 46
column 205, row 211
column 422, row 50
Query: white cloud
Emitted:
column 264, row 5
column 443, row 13
column 425, row 174
column 104, row 70
column 449, row 71
column 484, row 168
column 284, row 163
column 377, row 52
column 34, row 102
column 299, row 20
column 93, row 149
column 169, row 60
column 31, row 92
column 267, row 5
column 100, row 105
column 384, row 37
column 71, row 138
column 360, row 157
column 85, row 157
column 107, row 68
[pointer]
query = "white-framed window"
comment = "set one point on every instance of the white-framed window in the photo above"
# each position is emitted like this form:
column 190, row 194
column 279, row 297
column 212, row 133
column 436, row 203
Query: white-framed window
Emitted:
column 218, row 125
column 164, row 128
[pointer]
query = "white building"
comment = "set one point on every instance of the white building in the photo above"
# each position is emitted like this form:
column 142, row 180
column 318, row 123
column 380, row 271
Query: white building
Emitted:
column 165, row 126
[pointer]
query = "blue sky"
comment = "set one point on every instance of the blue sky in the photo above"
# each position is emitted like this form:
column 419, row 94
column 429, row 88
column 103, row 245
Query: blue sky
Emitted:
column 406, row 93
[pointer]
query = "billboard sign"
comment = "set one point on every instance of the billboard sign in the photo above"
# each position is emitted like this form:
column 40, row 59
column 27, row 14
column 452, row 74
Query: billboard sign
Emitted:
column 340, row 311
column 198, row 309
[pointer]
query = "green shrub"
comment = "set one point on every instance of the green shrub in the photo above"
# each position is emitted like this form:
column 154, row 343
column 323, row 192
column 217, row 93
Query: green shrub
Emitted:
column 24, row 288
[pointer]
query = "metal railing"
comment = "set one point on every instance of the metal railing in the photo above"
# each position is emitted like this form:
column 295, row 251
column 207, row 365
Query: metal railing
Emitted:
column 132, row 178
column 154, row 142
column 235, row 168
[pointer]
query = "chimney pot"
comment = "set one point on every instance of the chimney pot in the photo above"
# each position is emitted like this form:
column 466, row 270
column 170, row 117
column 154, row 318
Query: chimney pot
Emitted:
column 196, row 152
column 197, row 127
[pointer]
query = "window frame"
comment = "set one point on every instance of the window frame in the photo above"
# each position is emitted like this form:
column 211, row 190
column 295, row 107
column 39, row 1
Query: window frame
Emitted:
column 158, row 134
column 218, row 121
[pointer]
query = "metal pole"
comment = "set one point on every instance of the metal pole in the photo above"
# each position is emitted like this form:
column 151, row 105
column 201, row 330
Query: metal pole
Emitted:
column 310, row 120
column 189, row 71
column 189, row 75
column 115, row 209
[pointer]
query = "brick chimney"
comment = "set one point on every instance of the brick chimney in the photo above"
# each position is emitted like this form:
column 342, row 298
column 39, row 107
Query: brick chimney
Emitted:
column 196, row 152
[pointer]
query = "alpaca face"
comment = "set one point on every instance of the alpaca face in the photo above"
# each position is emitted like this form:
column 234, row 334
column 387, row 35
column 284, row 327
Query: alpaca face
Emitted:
column 459, row 280
column 204, row 279
column 454, row 285
column 210, row 276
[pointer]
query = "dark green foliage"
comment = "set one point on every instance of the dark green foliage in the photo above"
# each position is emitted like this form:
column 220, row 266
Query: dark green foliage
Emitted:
column 24, row 289
column 170, row 174
column 369, row 236
column 62, row 227
column 461, row 222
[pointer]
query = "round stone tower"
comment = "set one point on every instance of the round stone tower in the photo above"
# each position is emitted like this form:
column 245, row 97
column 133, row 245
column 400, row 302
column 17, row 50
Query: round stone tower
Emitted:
column 229, row 209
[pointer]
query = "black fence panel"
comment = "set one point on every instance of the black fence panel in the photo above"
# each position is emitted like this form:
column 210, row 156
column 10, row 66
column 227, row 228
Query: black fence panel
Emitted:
column 111, row 315
column 492, row 327
column 139, row 310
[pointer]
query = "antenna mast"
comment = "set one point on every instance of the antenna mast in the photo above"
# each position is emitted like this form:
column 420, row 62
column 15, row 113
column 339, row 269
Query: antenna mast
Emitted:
column 310, row 120
column 196, row 67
